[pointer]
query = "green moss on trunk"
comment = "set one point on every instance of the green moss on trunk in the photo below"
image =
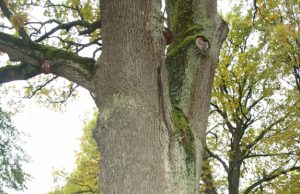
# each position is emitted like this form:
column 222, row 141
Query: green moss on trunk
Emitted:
column 185, row 32
column 183, row 59
column 185, row 137
column 182, row 15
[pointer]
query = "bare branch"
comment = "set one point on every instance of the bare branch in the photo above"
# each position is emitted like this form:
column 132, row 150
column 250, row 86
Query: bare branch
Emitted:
column 270, row 155
column 40, row 87
column 255, row 10
column 80, row 46
column 67, row 26
column 91, row 28
column 5, row 27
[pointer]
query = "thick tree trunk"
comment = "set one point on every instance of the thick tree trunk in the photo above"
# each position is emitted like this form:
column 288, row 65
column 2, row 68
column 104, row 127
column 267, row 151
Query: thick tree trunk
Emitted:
column 151, row 130
column 129, row 132
column 198, row 33
column 153, row 107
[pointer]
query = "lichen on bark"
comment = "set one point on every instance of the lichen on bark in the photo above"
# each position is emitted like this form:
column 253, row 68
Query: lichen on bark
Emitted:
column 185, row 31
column 185, row 137
column 190, row 62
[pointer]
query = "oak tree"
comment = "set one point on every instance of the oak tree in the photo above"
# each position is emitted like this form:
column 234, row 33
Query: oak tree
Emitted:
column 254, row 135
column 153, row 103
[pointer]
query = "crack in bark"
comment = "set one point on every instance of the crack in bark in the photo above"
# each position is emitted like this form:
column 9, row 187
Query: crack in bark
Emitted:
column 163, row 112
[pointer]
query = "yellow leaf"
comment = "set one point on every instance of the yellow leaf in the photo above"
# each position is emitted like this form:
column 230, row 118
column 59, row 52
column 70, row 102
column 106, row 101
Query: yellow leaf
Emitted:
column 18, row 20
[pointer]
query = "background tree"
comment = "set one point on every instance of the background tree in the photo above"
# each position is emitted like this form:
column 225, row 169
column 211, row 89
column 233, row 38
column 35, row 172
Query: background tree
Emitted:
column 151, row 129
column 278, row 21
column 12, row 156
column 85, row 177
column 253, row 114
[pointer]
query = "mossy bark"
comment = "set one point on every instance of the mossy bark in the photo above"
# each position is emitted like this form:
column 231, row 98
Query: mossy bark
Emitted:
column 190, row 74
column 32, row 55
column 207, row 176
column 18, row 72
column 153, row 108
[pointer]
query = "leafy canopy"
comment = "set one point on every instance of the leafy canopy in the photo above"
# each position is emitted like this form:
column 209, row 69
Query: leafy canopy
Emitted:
column 12, row 156
column 254, row 122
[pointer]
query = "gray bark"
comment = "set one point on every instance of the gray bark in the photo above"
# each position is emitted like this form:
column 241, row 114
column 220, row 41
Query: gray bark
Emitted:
column 37, row 58
column 151, row 143
column 129, row 131
column 153, row 108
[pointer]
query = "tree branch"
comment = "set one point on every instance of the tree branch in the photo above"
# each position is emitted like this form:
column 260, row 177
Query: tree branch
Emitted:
column 69, row 25
column 46, row 59
column 270, row 177
column 8, row 14
column 40, row 87
column 91, row 28
column 70, row 92
column 210, row 153
column 223, row 114
column 264, row 132
column 269, row 155
column 18, row 72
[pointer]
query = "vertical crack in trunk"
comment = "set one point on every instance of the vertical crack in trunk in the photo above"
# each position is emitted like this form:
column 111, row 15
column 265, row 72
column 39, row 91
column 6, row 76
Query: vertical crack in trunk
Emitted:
column 191, row 62
column 137, row 99
column 163, row 112
column 161, row 101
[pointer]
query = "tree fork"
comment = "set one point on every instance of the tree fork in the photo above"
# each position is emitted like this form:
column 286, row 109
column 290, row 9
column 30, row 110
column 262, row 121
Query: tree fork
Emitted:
column 177, row 102
column 153, row 108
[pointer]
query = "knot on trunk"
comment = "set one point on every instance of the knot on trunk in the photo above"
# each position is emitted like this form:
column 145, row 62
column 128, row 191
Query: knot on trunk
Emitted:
column 46, row 67
column 202, row 43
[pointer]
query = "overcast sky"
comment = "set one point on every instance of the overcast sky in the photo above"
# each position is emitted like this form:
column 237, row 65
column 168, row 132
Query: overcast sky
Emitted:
column 53, row 139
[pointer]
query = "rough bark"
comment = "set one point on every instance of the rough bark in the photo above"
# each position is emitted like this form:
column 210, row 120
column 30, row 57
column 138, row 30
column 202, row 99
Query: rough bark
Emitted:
column 198, row 33
column 129, row 132
column 136, row 116
column 153, row 108
column 37, row 58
